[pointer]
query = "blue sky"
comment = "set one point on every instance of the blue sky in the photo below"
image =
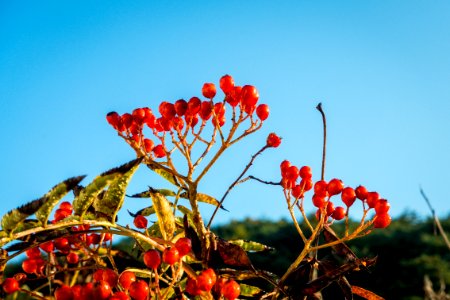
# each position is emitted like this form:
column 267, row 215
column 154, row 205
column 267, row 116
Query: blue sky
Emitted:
column 380, row 68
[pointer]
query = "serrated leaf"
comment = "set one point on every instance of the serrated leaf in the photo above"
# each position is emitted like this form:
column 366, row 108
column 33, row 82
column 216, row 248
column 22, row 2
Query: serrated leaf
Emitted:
column 251, row 246
column 54, row 196
column 164, row 212
column 112, row 201
column 87, row 195
column 250, row 291
column 164, row 174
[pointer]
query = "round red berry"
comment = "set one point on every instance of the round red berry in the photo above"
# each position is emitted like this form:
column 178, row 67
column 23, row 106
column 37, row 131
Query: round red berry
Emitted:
column 382, row 206
column 140, row 222
column 307, row 184
column 348, row 196
column 167, row 110
column 126, row 279
column 10, row 285
column 181, row 107
column 234, row 96
column 330, row 208
column 194, row 105
column 250, row 95
column 335, row 186
column 159, row 151
column 209, row 90
column 113, row 119
column 305, row 172
column 231, row 290
column 192, row 288
column 183, row 245
column 206, row 280
column 47, row 246
column 64, row 293
column 273, row 140
column 102, row 290
column 382, row 220
column 33, row 252
column 170, row 255
column 139, row 290
column 148, row 145
column 319, row 201
column 338, row 213
column 206, row 110
column 66, row 205
column 321, row 188
column 262, row 111
column 119, row 296
column 72, row 258
column 372, row 199
column 152, row 259
column 361, row 192
column 226, row 83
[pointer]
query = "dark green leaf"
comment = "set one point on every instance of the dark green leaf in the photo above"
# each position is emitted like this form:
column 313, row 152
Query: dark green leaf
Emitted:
column 146, row 194
column 204, row 198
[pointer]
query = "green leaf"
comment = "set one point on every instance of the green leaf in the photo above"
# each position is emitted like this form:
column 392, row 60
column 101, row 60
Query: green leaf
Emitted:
column 164, row 174
column 251, row 246
column 146, row 194
column 15, row 217
column 204, row 198
column 87, row 195
column 250, row 291
column 164, row 212
column 112, row 201
column 54, row 196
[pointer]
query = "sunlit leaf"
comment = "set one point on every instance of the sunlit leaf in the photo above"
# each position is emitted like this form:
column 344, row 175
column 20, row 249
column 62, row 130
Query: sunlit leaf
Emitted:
column 54, row 196
column 164, row 212
column 112, row 201
column 164, row 174
column 146, row 194
column 251, row 246
column 250, row 291
column 15, row 217
column 87, row 195
column 365, row 293
column 205, row 199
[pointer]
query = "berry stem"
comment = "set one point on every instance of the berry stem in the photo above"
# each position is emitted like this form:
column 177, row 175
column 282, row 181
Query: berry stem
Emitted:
column 234, row 184
column 324, row 148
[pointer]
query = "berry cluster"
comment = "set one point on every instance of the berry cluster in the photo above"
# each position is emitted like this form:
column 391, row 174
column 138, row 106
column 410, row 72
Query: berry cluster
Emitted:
column 181, row 117
column 324, row 191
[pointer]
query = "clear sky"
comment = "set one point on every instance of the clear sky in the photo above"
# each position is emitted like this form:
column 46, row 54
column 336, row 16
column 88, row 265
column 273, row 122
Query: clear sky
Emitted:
column 380, row 68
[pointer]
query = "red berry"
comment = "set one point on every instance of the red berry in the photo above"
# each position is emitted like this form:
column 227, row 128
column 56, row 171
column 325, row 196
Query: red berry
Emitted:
column 64, row 293
column 140, row 221
column 194, row 105
column 319, row 201
column 226, row 83
column 219, row 285
column 382, row 220
column 148, row 145
column 348, row 196
column 139, row 290
column 183, row 245
column 335, row 186
column 113, row 119
column 76, row 291
column 119, row 296
column 158, row 151
column 29, row 265
column 273, row 140
column 305, row 172
column 126, row 279
column 361, row 192
column 338, row 213
column 297, row 191
column 206, row 280
column 372, row 199
column 330, row 208
column 234, row 96
column 262, row 111
column 181, row 107
column 138, row 115
column 231, row 290
column 47, row 246
column 250, row 96
column 192, row 288
column 61, row 214
column 72, row 258
column 292, row 173
column 170, row 255
column 307, row 184
column 285, row 164
column 62, row 244
column 87, row 291
column 321, row 188
column 167, row 110
column 33, row 252
column 209, row 90
column 10, row 285
column 107, row 275
column 382, row 206
column 152, row 259
column 206, row 110
column 107, row 237
column 126, row 120
column 66, row 205
column 102, row 290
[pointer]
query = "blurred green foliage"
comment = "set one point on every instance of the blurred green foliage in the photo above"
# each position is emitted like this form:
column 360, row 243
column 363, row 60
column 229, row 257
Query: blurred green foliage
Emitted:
column 406, row 251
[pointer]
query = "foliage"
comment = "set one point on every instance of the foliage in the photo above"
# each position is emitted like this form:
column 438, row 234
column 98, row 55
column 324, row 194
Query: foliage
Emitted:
column 179, row 256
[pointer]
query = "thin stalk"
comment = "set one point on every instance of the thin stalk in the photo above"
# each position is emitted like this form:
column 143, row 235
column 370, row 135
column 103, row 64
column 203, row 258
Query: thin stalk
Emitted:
column 324, row 147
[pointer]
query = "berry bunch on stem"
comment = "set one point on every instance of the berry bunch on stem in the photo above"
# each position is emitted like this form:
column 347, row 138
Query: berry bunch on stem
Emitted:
column 67, row 246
